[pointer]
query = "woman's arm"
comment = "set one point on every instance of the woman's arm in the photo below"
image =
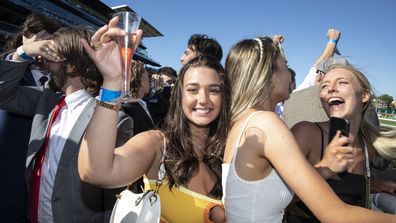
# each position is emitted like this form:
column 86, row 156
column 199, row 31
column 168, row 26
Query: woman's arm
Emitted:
column 98, row 162
column 282, row 151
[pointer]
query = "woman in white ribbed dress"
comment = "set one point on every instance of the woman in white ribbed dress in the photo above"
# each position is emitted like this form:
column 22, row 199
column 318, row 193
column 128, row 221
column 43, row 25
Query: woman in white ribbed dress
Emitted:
column 262, row 163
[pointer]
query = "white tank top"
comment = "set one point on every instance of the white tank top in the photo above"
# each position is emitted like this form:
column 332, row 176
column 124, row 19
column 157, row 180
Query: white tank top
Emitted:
column 253, row 201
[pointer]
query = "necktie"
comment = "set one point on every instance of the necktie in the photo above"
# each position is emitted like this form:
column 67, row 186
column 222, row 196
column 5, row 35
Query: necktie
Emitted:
column 43, row 79
column 36, row 174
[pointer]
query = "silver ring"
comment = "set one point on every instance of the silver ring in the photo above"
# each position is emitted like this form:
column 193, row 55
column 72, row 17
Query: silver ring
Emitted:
column 96, row 46
column 48, row 50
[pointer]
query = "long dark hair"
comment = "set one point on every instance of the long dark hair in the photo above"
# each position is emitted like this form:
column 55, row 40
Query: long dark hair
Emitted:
column 181, row 162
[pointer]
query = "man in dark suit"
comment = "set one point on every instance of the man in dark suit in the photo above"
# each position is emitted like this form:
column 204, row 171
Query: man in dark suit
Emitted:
column 14, row 128
column 140, row 87
column 158, row 102
column 56, row 192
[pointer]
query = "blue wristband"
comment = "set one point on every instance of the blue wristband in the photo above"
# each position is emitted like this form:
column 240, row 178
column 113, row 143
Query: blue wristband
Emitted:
column 23, row 55
column 333, row 41
column 106, row 95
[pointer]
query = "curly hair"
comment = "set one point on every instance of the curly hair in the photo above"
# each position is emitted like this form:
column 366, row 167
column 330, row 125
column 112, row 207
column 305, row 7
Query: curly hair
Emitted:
column 205, row 46
column 181, row 162
column 137, row 70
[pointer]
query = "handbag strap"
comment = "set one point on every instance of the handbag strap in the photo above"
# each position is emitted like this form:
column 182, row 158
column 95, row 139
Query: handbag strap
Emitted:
column 367, row 177
column 162, row 171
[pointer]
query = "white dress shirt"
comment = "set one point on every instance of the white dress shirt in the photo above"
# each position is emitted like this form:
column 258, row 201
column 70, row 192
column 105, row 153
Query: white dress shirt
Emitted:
column 37, row 75
column 63, row 124
column 309, row 80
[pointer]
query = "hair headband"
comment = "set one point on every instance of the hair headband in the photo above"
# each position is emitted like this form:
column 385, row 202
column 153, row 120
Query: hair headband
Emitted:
column 260, row 42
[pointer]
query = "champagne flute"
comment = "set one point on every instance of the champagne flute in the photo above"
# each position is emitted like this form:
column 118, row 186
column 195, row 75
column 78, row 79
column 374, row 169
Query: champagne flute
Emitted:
column 128, row 21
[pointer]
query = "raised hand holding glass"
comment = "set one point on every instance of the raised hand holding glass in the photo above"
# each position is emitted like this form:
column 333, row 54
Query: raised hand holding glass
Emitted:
column 129, row 22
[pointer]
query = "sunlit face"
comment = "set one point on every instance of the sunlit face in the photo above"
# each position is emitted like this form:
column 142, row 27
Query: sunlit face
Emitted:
column 341, row 94
column 188, row 55
column 201, row 100
column 282, row 81
column 167, row 80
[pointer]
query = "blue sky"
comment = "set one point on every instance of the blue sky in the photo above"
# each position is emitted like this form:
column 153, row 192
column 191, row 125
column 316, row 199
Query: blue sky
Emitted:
column 368, row 30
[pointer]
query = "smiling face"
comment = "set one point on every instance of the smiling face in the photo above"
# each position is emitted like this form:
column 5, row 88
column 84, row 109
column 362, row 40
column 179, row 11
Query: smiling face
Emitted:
column 282, row 81
column 201, row 95
column 342, row 95
column 189, row 54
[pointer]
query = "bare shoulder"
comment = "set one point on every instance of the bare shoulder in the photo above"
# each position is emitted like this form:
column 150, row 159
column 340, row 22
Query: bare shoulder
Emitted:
column 267, row 124
column 267, row 118
column 308, row 137
column 148, row 141
column 304, row 127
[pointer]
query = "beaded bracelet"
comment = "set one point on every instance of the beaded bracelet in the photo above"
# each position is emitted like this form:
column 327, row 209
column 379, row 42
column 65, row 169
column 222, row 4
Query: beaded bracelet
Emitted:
column 115, row 107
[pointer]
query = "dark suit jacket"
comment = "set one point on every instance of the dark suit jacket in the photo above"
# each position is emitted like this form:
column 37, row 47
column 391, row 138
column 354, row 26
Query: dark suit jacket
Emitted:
column 142, row 122
column 72, row 199
column 14, row 140
column 158, row 105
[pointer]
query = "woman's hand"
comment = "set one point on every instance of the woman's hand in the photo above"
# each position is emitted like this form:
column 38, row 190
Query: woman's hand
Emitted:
column 338, row 157
column 217, row 214
column 104, row 51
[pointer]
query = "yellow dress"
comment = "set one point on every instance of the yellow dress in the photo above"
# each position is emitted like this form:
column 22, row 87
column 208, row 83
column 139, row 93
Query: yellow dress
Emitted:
column 181, row 205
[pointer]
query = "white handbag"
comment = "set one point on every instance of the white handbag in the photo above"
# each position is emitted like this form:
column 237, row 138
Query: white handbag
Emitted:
column 139, row 208
column 136, row 208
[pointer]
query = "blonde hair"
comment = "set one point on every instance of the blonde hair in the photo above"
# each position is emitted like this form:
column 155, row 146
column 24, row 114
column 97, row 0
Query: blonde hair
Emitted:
column 384, row 142
column 250, row 65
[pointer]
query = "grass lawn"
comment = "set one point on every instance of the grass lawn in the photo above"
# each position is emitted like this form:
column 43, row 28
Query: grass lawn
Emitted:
column 386, row 122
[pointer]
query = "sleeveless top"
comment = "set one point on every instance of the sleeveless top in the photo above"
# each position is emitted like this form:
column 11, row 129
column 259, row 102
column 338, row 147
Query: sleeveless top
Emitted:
column 261, row 201
column 349, row 187
column 180, row 204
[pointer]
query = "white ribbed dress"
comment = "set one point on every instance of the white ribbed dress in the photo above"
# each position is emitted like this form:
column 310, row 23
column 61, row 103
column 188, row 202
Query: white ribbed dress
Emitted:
column 261, row 201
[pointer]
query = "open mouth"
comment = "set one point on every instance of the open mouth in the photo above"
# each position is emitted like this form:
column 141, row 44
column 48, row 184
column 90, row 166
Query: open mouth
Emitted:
column 336, row 103
column 202, row 111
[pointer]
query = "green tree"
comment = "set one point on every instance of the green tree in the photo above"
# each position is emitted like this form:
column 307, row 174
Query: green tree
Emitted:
column 386, row 98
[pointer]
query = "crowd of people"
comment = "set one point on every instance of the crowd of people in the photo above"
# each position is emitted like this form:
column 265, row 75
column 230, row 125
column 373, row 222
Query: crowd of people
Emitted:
column 234, row 142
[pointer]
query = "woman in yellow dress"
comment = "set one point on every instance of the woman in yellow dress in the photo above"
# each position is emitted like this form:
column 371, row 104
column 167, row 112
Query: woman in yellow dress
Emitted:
column 190, row 147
